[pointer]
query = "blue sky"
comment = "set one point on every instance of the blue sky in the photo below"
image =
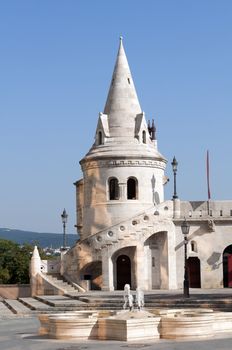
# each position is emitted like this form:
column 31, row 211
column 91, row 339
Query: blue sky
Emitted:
column 56, row 63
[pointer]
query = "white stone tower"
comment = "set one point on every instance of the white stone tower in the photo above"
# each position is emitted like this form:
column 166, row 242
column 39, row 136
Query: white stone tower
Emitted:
column 123, row 173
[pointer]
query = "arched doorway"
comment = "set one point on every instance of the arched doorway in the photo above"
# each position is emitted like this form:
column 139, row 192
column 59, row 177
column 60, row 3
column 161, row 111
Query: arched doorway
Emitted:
column 123, row 271
column 227, row 267
column 194, row 270
column 156, row 259
column 91, row 273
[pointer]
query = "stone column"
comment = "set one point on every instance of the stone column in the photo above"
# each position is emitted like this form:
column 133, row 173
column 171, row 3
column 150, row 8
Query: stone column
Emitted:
column 107, row 272
column 172, row 278
column 141, row 268
column 62, row 261
column 122, row 191
column 176, row 208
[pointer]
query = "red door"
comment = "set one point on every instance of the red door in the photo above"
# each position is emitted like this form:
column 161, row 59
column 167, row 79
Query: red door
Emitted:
column 230, row 270
column 194, row 271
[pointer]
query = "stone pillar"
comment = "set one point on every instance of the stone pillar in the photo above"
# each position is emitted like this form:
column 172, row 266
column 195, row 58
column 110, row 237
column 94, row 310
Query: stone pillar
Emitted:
column 141, row 268
column 176, row 208
column 62, row 261
column 172, row 278
column 35, row 266
column 122, row 191
column 107, row 272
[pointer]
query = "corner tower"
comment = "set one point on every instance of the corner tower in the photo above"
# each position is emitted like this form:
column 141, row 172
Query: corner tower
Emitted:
column 123, row 172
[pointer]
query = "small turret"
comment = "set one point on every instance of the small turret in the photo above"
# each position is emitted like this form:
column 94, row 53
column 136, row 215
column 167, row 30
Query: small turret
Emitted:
column 152, row 130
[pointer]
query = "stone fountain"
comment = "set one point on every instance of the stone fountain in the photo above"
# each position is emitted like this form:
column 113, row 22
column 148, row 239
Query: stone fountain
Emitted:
column 134, row 323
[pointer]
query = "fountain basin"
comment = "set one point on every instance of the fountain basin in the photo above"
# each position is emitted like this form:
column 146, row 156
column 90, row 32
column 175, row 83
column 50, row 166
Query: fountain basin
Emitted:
column 51, row 324
column 222, row 322
column 187, row 325
column 127, row 326
column 72, row 327
column 136, row 325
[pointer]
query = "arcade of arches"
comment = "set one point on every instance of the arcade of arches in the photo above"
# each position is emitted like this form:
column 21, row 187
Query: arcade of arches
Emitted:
column 124, row 266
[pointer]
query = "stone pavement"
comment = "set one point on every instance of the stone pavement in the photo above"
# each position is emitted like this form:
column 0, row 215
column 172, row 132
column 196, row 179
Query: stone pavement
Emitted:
column 21, row 334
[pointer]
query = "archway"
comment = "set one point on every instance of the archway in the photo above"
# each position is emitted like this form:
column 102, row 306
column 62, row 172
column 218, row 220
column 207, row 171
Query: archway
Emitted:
column 194, row 270
column 123, row 271
column 92, row 274
column 227, row 267
column 156, row 260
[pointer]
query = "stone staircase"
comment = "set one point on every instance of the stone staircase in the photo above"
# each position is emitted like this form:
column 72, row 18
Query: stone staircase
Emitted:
column 136, row 228
column 60, row 283
column 27, row 307
column 217, row 303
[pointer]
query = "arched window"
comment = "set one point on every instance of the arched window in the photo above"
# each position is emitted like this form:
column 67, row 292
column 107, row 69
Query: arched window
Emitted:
column 100, row 141
column 132, row 188
column 194, row 246
column 144, row 136
column 113, row 188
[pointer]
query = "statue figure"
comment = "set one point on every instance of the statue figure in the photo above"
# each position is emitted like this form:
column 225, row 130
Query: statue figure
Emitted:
column 139, row 298
column 128, row 297
column 211, row 226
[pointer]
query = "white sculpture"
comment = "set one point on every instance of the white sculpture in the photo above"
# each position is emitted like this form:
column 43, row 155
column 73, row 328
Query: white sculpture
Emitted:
column 128, row 297
column 139, row 298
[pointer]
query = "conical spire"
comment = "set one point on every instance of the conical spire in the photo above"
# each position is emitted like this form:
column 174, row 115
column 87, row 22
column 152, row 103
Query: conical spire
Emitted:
column 122, row 129
column 122, row 103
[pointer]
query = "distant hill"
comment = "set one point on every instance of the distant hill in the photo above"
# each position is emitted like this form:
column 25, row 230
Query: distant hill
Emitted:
column 43, row 240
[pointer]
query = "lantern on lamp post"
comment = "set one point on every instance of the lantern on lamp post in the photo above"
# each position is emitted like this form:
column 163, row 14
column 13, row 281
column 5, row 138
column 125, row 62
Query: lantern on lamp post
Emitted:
column 64, row 218
column 174, row 169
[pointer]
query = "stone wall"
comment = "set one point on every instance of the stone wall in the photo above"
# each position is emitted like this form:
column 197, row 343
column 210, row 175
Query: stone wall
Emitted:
column 14, row 291
column 207, row 240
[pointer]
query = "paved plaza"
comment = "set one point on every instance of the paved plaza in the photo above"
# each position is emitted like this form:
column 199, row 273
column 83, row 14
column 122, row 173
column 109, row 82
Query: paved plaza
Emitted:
column 22, row 334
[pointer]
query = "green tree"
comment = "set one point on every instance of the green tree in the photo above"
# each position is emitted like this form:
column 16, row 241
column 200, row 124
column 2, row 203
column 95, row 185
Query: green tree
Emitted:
column 15, row 262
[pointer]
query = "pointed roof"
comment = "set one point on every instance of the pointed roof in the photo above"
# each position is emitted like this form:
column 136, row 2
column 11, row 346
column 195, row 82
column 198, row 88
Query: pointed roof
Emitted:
column 123, row 121
column 122, row 101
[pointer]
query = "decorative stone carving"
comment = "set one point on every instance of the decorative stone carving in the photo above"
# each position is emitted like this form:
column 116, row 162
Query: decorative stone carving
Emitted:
column 123, row 163
column 211, row 225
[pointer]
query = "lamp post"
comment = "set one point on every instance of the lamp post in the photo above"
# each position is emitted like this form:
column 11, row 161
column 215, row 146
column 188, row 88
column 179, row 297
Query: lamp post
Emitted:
column 174, row 168
column 64, row 218
column 185, row 230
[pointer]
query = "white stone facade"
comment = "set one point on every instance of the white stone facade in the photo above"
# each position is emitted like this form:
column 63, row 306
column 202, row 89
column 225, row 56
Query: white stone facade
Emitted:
column 128, row 232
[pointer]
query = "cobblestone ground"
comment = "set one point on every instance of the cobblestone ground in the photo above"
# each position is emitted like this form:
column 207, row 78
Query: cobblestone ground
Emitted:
column 21, row 334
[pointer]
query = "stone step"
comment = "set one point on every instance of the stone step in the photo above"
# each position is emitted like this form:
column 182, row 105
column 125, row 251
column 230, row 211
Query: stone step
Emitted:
column 35, row 304
column 17, row 307
column 53, row 304
column 101, row 300
column 60, row 283
column 59, row 301
column 5, row 311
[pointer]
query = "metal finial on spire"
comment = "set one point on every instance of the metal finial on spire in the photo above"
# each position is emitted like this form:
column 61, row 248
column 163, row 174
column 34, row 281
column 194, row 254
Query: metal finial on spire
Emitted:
column 121, row 38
